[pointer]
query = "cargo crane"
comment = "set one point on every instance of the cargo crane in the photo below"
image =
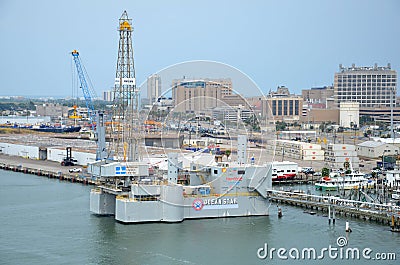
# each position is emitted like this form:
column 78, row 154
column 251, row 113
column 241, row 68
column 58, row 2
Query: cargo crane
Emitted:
column 88, row 92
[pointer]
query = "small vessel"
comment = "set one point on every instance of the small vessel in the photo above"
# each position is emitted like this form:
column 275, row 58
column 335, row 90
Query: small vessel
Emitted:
column 55, row 129
column 327, row 184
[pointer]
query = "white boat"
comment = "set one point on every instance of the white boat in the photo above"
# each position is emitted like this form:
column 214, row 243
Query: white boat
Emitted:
column 350, row 181
column 327, row 184
column 355, row 180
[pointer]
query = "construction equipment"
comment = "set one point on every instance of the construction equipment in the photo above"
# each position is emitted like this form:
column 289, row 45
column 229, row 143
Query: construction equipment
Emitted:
column 69, row 160
column 87, row 90
column 75, row 115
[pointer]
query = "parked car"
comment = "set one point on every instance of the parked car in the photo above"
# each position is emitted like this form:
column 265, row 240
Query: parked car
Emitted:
column 75, row 170
column 307, row 170
column 317, row 174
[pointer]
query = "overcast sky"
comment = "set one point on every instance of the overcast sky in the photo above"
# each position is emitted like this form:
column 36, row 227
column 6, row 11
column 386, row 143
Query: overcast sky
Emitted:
column 294, row 43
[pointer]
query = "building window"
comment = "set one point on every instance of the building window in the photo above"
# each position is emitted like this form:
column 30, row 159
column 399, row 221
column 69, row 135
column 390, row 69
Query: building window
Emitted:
column 291, row 107
column 296, row 107
column 274, row 108
column 279, row 107
column 285, row 107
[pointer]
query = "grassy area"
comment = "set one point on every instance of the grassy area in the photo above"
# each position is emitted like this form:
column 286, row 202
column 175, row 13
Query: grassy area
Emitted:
column 16, row 131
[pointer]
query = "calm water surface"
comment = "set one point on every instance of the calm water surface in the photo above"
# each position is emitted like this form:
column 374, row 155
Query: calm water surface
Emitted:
column 44, row 221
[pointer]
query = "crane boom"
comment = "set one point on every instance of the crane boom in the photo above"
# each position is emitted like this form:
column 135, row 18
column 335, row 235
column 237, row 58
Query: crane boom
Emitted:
column 87, row 92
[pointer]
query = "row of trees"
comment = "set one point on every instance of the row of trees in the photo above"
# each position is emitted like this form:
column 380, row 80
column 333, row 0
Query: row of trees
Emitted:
column 346, row 165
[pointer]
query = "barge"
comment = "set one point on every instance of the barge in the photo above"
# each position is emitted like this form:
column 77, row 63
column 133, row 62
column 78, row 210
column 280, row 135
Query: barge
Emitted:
column 134, row 194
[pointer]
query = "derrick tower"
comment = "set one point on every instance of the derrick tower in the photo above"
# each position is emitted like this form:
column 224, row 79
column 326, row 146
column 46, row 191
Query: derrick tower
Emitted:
column 125, row 121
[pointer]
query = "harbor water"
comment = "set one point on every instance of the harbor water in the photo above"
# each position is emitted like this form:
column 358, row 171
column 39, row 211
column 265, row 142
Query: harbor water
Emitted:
column 46, row 221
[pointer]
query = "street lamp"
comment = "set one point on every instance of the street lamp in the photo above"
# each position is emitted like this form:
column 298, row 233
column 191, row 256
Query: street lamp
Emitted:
column 334, row 136
column 383, row 160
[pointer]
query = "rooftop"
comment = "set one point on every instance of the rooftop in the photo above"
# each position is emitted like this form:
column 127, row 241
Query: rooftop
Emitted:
column 371, row 144
column 364, row 68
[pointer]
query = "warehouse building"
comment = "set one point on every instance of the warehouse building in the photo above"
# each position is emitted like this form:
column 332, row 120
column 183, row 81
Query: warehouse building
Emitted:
column 375, row 149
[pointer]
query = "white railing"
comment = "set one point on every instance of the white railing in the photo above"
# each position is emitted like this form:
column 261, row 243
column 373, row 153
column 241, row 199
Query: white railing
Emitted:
column 366, row 207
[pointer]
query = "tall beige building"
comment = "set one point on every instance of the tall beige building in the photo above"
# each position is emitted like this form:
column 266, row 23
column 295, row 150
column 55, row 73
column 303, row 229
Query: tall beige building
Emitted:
column 153, row 88
column 200, row 95
column 370, row 86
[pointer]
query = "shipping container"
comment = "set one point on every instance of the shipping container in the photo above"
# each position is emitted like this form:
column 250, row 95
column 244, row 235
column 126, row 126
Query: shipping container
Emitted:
column 313, row 158
column 341, row 147
column 26, row 151
column 313, row 152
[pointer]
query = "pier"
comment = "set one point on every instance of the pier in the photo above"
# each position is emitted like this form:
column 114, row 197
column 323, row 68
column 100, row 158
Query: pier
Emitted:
column 381, row 213
column 52, row 171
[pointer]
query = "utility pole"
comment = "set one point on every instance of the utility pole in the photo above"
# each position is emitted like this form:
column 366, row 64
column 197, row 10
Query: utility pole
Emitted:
column 391, row 114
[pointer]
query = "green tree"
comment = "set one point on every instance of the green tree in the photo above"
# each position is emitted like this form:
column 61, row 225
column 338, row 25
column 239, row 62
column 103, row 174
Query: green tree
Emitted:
column 325, row 172
column 227, row 153
column 322, row 127
column 253, row 122
column 346, row 165
column 280, row 125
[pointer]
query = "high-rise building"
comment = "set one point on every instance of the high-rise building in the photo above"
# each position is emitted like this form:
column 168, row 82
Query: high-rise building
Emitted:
column 153, row 88
column 200, row 95
column 370, row 86
column 108, row 95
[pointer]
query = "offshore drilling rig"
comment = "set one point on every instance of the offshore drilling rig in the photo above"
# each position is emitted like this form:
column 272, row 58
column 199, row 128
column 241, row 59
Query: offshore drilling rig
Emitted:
column 133, row 194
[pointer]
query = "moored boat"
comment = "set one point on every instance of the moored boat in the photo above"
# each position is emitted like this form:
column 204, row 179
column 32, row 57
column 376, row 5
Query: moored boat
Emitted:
column 326, row 184
column 56, row 129
column 353, row 180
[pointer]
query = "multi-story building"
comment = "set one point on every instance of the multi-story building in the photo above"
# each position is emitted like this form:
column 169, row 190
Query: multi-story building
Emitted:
column 282, row 106
column 315, row 116
column 317, row 97
column 55, row 111
column 153, row 88
column 227, row 113
column 200, row 95
column 160, row 108
column 382, row 114
column 108, row 95
column 370, row 86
